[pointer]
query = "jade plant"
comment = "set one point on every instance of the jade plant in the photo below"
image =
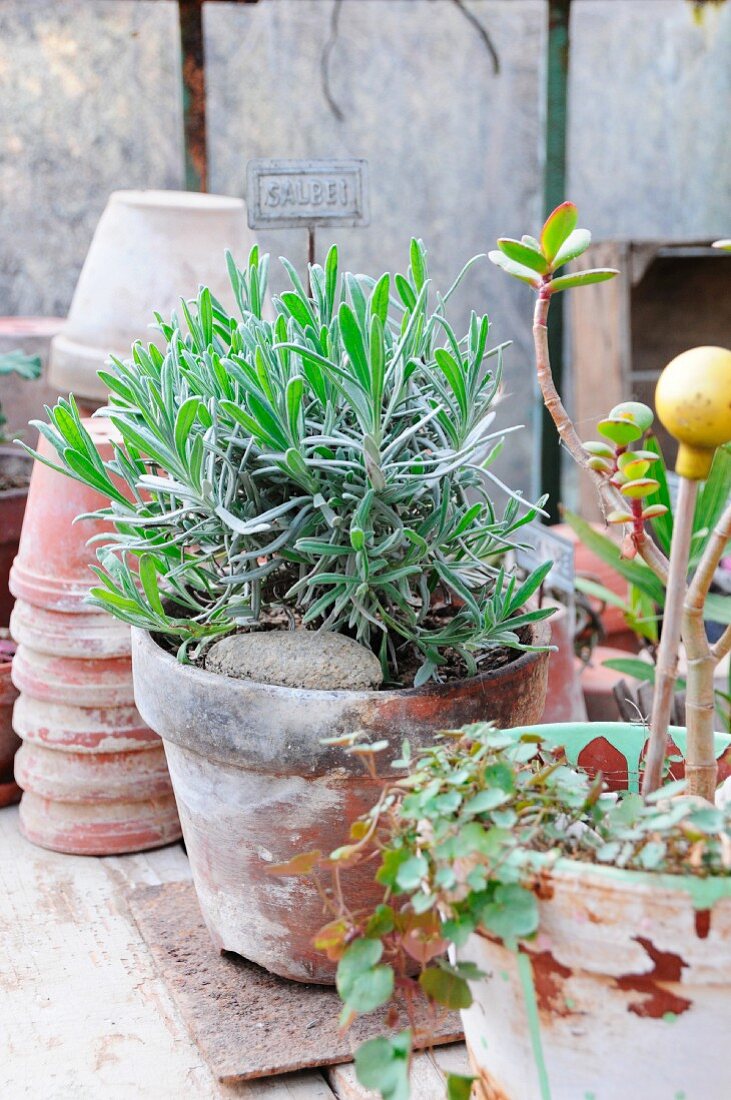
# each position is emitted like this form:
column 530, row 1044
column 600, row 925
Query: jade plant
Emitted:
column 622, row 485
column 464, row 835
column 332, row 465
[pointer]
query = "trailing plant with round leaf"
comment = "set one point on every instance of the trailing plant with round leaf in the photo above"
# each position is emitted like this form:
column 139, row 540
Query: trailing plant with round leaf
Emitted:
column 334, row 462
column 464, row 840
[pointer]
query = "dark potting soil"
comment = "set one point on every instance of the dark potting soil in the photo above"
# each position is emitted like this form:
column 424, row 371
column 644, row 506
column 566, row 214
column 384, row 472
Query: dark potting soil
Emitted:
column 13, row 481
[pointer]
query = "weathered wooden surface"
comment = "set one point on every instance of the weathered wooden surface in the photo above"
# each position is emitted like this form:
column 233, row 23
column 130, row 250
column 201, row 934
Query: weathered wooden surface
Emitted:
column 249, row 1023
column 83, row 1011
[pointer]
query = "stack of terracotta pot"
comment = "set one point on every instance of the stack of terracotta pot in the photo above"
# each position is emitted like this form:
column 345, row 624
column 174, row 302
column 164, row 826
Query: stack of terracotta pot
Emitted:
column 94, row 776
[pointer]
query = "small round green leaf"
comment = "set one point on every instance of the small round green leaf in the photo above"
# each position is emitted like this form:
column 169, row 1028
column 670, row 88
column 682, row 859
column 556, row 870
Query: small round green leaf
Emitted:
column 639, row 414
column 639, row 488
column 619, row 431
column 597, row 447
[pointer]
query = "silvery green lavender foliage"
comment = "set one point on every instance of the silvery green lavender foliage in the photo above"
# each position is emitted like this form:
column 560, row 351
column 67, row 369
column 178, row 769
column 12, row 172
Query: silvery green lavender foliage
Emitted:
column 334, row 462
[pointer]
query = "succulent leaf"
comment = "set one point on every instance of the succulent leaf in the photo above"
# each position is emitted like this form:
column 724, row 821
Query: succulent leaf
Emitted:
column 639, row 414
column 559, row 224
column 619, row 431
column 523, row 254
column 597, row 447
column 583, row 278
column 619, row 517
column 639, row 488
column 575, row 244
column 653, row 511
column 517, row 270
column 600, row 465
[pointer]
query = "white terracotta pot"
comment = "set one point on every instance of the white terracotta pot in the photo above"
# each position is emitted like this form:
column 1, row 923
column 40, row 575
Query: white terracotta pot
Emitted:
column 150, row 249
column 625, row 993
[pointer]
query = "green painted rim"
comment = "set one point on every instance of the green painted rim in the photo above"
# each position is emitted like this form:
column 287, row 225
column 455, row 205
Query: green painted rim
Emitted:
column 629, row 740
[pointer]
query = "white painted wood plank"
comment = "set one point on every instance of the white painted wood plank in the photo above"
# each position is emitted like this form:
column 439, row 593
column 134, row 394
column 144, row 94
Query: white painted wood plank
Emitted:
column 83, row 1013
column 427, row 1075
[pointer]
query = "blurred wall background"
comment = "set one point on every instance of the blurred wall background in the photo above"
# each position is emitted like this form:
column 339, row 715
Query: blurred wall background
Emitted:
column 92, row 102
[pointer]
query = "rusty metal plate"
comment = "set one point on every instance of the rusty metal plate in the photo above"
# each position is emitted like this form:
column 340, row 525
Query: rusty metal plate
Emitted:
column 246, row 1022
column 284, row 194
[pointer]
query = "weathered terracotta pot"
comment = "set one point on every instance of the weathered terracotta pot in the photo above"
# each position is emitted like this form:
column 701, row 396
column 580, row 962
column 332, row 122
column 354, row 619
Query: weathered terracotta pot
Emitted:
column 16, row 465
column 9, row 741
column 625, row 992
column 52, row 570
column 94, row 776
column 149, row 248
column 255, row 785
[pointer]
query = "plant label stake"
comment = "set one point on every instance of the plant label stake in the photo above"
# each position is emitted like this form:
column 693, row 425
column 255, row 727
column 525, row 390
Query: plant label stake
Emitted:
column 286, row 194
column 693, row 400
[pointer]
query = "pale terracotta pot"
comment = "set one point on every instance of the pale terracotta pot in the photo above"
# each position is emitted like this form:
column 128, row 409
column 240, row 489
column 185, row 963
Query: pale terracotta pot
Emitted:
column 255, row 785
column 15, row 464
column 149, row 249
column 93, row 774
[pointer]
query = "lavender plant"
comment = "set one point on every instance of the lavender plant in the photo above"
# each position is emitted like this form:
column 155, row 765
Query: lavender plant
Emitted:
column 334, row 462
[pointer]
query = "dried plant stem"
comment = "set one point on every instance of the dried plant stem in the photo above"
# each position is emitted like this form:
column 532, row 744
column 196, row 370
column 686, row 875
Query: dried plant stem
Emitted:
column 609, row 498
column 667, row 657
column 701, row 768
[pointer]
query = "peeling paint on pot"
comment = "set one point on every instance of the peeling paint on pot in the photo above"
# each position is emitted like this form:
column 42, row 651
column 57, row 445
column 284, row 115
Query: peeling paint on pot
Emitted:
column 255, row 785
column 624, row 993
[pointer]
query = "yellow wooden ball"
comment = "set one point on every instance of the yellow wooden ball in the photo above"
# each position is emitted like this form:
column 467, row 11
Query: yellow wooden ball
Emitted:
column 693, row 401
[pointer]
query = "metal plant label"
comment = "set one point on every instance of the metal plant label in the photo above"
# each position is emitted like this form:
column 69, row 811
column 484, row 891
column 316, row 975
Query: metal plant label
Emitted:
column 285, row 194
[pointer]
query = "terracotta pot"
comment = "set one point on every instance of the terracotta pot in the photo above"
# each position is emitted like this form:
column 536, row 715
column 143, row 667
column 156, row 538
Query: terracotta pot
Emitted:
column 587, row 564
column 52, row 568
column 149, row 249
column 9, row 741
column 564, row 698
column 15, row 465
column 255, row 785
column 94, row 776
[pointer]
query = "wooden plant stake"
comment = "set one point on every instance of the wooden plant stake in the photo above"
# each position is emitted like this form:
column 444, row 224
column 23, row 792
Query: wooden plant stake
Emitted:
column 693, row 400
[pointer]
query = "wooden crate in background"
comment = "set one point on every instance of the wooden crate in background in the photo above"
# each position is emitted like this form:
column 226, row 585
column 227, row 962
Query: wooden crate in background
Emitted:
column 670, row 296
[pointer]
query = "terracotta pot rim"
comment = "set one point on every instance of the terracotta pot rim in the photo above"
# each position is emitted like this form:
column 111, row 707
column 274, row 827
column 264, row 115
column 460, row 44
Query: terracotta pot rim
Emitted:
column 541, row 636
column 281, row 730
